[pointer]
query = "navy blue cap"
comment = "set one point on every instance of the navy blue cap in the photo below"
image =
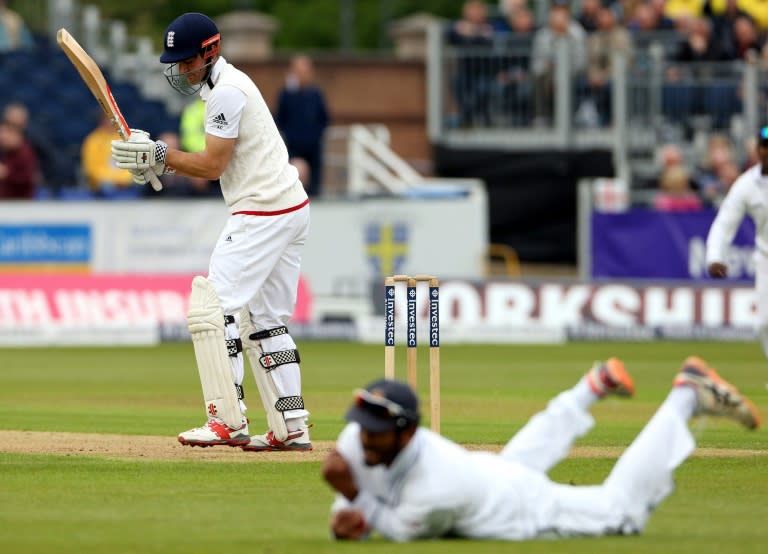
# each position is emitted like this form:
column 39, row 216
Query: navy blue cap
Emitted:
column 762, row 136
column 188, row 35
column 385, row 405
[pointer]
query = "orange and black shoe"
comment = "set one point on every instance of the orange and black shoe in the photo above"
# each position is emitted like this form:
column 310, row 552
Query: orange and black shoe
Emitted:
column 714, row 395
column 610, row 377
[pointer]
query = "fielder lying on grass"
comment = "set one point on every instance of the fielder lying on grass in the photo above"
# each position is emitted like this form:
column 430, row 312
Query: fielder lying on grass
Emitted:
column 406, row 482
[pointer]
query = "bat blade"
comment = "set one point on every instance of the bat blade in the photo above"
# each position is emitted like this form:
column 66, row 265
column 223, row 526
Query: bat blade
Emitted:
column 94, row 79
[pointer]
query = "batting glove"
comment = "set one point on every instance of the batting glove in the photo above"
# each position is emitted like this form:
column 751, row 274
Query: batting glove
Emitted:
column 139, row 154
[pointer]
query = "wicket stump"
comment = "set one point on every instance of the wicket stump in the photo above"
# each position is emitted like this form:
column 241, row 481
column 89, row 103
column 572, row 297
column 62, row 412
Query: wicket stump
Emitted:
column 411, row 340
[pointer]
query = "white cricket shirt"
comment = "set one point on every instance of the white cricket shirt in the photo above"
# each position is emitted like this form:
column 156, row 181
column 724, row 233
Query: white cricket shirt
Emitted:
column 747, row 196
column 437, row 488
column 258, row 178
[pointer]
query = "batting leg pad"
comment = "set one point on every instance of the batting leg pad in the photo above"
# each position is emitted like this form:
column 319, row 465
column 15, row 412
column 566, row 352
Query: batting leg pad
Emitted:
column 206, row 325
column 262, row 365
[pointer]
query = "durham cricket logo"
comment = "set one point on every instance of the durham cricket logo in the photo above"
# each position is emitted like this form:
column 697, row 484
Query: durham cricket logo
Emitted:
column 387, row 247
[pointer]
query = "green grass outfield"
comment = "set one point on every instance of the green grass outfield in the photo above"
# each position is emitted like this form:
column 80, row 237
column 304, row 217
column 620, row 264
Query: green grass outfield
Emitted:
column 83, row 501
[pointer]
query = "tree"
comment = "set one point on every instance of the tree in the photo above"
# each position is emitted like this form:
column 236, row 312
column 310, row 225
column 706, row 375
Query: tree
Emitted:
column 304, row 24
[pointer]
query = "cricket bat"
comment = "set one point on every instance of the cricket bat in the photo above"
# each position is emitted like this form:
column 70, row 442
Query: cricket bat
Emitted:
column 97, row 84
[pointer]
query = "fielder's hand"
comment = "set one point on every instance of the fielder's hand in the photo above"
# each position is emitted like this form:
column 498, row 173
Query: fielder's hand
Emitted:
column 717, row 270
column 349, row 524
column 139, row 154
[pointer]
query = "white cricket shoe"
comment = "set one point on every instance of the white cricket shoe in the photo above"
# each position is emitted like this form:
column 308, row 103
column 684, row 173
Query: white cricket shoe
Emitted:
column 216, row 432
column 297, row 440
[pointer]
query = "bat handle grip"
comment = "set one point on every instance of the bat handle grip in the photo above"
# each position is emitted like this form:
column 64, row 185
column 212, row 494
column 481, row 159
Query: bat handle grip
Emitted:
column 154, row 181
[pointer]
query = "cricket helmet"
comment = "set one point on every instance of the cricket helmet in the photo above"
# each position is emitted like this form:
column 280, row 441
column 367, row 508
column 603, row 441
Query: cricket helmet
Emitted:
column 188, row 35
column 385, row 405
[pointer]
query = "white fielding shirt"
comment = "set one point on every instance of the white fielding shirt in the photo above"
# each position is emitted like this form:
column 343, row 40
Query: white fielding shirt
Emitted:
column 258, row 178
column 747, row 196
column 436, row 488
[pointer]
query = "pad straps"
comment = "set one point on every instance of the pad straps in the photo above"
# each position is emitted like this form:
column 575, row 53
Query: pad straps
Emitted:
column 234, row 347
column 289, row 403
column 272, row 360
column 269, row 333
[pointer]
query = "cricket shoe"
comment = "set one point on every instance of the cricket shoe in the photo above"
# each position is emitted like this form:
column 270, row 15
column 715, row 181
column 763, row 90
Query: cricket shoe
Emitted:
column 216, row 432
column 715, row 395
column 296, row 441
column 610, row 377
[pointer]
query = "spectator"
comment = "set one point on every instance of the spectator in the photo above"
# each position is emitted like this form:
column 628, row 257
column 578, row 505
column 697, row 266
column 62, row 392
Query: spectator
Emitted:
column 698, row 44
column 506, row 11
column 668, row 155
column 723, row 24
column 191, row 138
column 587, row 17
column 517, row 23
column 175, row 184
column 103, row 177
column 726, row 176
column 513, row 83
column 473, row 83
column 522, row 22
column 745, row 37
column 691, row 88
column 54, row 164
column 609, row 38
column 192, row 126
column 625, row 8
column 675, row 193
column 19, row 172
column 711, row 176
column 646, row 19
column 14, row 33
column 302, row 117
column 560, row 27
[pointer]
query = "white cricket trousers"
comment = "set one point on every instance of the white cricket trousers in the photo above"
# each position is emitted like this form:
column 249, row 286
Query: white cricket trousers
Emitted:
column 256, row 263
column 641, row 478
column 761, row 290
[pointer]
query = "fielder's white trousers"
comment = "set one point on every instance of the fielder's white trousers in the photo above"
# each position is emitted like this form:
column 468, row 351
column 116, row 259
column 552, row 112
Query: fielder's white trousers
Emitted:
column 641, row 478
column 256, row 263
column 761, row 290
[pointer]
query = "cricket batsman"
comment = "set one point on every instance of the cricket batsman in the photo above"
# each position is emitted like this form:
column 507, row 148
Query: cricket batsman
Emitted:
column 248, row 296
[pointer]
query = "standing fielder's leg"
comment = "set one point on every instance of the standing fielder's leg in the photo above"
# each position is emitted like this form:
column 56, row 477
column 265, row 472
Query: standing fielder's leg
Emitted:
column 761, row 289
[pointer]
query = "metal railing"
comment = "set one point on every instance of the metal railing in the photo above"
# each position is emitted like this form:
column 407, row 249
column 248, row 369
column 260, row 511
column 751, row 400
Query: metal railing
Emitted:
column 490, row 97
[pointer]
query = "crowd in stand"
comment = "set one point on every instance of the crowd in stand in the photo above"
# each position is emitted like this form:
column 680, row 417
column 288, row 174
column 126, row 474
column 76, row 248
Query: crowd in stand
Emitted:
column 698, row 30
column 31, row 166
column 507, row 59
column 702, row 30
